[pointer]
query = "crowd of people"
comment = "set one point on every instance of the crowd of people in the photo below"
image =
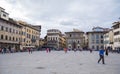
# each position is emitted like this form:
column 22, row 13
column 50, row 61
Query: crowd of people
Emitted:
column 13, row 50
column 7, row 50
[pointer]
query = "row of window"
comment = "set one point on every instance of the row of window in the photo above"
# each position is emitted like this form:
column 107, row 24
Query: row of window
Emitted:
column 28, row 41
column 5, row 37
column 116, row 26
column 97, row 41
column 97, row 36
column 75, row 35
column 52, row 38
column 4, row 15
column 31, row 31
column 53, row 31
column 29, row 35
column 106, row 42
column 32, row 36
column 117, row 33
column 106, row 36
column 73, row 41
column 13, row 30
column 9, row 38
column 28, row 30
column 2, row 37
column 117, row 40
column 9, row 30
column 23, row 33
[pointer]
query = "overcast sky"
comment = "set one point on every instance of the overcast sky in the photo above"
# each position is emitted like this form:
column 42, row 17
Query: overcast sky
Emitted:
column 64, row 14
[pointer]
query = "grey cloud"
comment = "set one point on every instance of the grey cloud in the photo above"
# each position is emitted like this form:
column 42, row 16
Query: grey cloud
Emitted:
column 67, row 23
column 49, row 9
column 83, row 13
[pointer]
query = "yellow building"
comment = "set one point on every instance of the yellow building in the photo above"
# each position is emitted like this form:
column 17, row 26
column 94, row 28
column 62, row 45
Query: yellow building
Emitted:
column 17, row 34
column 63, row 41
column 30, row 35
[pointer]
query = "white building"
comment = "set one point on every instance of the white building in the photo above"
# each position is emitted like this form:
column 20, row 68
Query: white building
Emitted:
column 108, row 39
column 54, row 38
column 95, row 38
column 116, row 38
column 4, row 14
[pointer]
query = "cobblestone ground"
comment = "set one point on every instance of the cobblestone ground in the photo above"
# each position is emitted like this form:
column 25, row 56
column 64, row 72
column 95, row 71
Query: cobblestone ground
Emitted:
column 57, row 62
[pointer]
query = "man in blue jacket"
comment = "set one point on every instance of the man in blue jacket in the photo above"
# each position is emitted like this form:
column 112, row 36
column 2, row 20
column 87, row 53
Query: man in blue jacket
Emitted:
column 101, row 54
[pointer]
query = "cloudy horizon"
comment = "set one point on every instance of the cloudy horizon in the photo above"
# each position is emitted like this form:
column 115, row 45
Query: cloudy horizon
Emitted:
column 64, row 14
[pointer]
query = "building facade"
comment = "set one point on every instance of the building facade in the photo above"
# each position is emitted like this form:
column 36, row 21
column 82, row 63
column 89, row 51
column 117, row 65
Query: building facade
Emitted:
column 116, row 38
column 86, row 42
column 54, row 38
column 75, row 39
column 10, row 32
column 96, row 38
column 17, row 34
column 30, row 35
column 108, row 39
column 63, row 43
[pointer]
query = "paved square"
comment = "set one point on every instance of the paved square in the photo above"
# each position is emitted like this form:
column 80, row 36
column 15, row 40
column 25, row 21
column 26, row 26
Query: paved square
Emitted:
column 57, row 62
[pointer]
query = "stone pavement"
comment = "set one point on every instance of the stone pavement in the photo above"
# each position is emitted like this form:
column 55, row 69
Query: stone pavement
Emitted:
column 57, row 62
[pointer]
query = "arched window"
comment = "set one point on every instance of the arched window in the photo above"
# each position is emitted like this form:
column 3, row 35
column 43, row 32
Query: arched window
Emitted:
column 2, row 37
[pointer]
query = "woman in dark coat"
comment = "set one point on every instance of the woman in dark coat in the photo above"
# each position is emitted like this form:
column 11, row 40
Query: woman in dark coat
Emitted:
column 106, row 52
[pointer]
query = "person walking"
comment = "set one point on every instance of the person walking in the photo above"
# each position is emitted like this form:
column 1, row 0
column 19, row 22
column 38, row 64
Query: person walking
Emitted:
column 101, row 54
column 2, row 51
column 29, row 50
column 47, row 50
column 90, row 50
column 106, row 51
column 65, row 50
